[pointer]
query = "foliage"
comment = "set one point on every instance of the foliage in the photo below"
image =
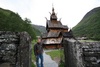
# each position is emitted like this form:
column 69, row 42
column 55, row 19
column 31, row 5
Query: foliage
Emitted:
column 37, row 31
column 61, row 64
column 33, row 65
column 89, row 26
column 33, row 56
column 42, row 29
column 10, row 21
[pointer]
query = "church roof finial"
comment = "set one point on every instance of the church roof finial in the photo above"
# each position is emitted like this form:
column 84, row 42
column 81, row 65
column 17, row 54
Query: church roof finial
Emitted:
column 53, row 16
column 53, row 9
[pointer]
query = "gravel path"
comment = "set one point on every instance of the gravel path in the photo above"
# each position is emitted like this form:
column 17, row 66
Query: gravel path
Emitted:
column 48, row 62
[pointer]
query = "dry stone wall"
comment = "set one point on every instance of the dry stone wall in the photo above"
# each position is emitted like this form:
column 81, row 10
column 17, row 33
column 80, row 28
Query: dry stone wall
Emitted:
column 15, row 49
column 86, row 54
column 91, row 54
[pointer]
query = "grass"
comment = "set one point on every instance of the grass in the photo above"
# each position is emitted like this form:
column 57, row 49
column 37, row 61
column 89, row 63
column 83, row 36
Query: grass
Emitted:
column 54, row 53
column 88, row 41
column 61, row 64
column 57, row 54
column 33, row 65
column 33, row 56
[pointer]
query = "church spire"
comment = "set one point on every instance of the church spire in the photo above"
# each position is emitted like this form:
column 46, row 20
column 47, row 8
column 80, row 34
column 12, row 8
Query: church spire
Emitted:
column 53, row 16
column 53, row 10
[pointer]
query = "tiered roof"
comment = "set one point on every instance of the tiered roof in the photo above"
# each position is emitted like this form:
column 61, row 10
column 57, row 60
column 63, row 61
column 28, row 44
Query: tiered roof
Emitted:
column 53, row 23
column 54, row 28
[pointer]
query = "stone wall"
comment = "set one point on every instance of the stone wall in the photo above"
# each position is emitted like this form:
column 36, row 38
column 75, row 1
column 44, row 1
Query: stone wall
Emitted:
column 15, row 49
column 91, row 54
column 81, row 54
column 72, row 53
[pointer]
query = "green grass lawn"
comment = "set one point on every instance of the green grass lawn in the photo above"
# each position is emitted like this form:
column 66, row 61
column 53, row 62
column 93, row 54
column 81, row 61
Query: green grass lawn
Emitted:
column 88, row 41
column 54, row 53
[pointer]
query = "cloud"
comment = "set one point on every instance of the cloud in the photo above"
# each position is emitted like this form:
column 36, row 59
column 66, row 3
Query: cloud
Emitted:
column 71, row 11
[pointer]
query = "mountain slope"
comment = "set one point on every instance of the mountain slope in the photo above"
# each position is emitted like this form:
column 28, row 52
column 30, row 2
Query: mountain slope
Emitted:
column 89, row 26
column 37, row 32
column 42, row 29
column 10, row 21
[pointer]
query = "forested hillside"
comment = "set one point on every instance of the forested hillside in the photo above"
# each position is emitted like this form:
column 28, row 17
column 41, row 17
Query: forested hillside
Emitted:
column 89, row 26
column 42, row 29
column 10, row 21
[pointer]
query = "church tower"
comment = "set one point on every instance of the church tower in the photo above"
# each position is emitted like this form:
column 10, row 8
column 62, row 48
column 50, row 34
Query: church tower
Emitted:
column 53, row 37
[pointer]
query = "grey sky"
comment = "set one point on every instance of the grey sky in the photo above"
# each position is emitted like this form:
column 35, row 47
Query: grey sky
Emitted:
column 71, row 11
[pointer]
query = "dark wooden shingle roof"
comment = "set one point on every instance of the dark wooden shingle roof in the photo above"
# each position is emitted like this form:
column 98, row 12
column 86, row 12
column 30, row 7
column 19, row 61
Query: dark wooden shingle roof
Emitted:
column 57, row 24
column 53, row 34
column 44, row 35
column 68, row 34
column 54, row 25
column 65, row 27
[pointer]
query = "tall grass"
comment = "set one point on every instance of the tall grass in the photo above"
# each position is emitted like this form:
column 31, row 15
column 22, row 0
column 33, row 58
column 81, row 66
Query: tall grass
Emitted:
column 33, row 56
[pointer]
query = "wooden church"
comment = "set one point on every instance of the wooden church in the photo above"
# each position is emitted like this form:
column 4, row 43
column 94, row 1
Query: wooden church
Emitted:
column 53, row 37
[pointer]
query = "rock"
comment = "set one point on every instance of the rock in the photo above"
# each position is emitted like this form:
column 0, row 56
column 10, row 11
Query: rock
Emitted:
column 15, row 49
column 77, row 54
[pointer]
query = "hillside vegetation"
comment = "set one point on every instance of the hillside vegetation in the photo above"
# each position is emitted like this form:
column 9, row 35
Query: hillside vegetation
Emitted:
column 42, row 29
column 10, row 21
column 89, row 26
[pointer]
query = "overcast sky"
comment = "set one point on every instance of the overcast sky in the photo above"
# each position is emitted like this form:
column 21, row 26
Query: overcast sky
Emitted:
column 71, row 11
